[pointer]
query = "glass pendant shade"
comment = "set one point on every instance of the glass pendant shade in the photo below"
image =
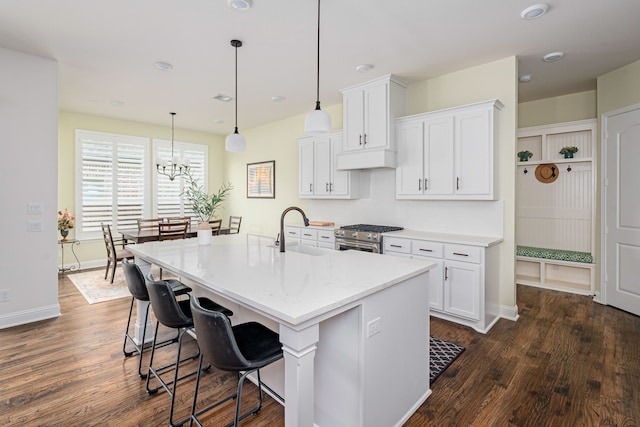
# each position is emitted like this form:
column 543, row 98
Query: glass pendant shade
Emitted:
column 235, row 142
column 317, row 122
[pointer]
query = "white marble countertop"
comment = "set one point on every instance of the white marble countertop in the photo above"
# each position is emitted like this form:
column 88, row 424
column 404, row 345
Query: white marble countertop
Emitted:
column 460, row 239
column 292, row 287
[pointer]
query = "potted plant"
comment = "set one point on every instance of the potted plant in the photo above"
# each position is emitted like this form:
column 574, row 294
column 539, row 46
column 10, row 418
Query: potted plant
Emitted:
column 568, row 151
column 204, row 205
column 525, row 155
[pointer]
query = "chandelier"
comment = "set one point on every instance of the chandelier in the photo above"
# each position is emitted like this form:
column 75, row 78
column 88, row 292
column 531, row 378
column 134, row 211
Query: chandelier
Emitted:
column 174, row 166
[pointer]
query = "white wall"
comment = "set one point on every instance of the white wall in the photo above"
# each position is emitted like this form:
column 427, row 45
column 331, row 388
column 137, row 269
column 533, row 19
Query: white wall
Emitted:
column 29, row 114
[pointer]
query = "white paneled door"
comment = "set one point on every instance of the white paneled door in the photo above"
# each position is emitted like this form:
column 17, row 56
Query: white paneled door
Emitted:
column 621, row 149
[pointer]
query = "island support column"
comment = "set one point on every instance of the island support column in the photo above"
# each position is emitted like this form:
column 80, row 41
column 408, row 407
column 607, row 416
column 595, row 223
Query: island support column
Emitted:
column 299, row 349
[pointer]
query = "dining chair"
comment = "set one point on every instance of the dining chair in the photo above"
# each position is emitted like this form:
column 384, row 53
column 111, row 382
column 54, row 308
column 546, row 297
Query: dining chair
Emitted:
column 172, row 230
column 215, row 224
column 138, row 290
column 148, row 223
column 179, row 219
column 113, row 255
column 234, row 224
column 243, row 348
column 173, row 314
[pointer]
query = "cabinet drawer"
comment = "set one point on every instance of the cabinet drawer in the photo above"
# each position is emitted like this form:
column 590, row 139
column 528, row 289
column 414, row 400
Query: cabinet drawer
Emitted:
column 309, row 234
column 431, row 249
column 393, row 244
column 463, row 253
column 293, row 232
column 326, row 236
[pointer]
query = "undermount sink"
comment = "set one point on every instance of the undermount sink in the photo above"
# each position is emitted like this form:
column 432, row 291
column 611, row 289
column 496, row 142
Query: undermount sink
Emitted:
column 302, row 249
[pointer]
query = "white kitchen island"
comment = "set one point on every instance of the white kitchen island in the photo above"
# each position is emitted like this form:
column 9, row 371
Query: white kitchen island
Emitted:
column 354, row 326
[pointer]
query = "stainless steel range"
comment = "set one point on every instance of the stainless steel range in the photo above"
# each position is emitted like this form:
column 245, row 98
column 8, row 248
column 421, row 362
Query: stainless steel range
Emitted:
column 362, row 237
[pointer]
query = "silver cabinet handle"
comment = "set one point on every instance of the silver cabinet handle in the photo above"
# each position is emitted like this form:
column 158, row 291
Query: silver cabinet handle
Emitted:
column 426, row 250
column 365, row 139
column 310, row 187
column 425, row 183
column 419, row 184
column 360, row 136
column 395, row 246
column 326, row 187
column 459, row 254
column 457, row 183
column 446, row 273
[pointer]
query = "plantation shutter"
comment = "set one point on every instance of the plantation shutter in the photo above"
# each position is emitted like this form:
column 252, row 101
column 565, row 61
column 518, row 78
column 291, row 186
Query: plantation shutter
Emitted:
column 111, row 181
column 168, row 200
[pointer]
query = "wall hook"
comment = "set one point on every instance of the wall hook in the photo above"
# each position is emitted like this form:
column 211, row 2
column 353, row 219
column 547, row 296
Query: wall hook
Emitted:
column 569, row 168
column 525, row 171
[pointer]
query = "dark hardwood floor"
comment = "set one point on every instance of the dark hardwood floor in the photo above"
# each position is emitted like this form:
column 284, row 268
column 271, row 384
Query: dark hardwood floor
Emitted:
column 566, row 362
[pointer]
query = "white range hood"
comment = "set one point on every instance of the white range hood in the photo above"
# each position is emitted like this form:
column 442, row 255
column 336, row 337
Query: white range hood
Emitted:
column 367, row 159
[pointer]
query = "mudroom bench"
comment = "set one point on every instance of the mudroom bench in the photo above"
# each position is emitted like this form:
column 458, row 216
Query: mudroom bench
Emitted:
column 561, row 270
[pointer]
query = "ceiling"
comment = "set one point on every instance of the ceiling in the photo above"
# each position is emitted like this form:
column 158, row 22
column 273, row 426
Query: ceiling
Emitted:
column 107, row 49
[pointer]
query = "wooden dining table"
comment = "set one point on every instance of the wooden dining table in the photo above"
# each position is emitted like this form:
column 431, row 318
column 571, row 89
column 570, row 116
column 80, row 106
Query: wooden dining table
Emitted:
column 151, row 235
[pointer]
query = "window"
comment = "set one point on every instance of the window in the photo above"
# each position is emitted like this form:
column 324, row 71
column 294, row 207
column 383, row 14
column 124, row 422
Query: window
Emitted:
column 167, row 201
column 114, row 177
column 112, row 182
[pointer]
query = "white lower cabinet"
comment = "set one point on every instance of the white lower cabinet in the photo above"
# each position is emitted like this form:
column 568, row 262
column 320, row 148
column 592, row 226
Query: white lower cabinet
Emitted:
column 463, row 285
column 321, row 237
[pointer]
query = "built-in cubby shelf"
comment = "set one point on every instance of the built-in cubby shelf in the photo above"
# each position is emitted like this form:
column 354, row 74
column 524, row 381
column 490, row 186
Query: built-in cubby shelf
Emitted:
column 559, row 214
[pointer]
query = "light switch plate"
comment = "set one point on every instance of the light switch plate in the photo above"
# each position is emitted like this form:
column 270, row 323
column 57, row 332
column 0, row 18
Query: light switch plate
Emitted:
column 34, row 208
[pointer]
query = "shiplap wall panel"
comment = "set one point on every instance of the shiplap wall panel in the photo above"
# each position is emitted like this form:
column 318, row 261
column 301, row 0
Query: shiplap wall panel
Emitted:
column 557, row 215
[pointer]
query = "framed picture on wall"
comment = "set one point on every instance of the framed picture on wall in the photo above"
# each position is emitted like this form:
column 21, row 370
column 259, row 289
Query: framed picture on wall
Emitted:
column 261, row 180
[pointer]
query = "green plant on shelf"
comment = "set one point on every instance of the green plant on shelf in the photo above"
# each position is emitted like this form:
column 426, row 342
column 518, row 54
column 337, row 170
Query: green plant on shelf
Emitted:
column 569, row 151
column 525, row 155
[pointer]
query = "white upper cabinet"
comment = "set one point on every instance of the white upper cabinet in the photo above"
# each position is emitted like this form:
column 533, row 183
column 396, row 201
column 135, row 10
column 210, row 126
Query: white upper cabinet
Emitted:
column 369, row 110
column 319, row 177
column 448, row 154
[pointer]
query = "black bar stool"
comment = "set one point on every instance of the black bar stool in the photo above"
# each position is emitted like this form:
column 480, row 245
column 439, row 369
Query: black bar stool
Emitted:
column 243, row 348
column 177, row 315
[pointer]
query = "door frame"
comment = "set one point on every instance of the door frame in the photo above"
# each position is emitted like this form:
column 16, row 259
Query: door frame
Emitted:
column 602, row 297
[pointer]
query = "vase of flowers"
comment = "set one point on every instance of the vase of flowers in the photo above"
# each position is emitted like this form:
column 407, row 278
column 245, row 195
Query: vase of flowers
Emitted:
column 204, row 205
column 568, row 152
column 65, row 223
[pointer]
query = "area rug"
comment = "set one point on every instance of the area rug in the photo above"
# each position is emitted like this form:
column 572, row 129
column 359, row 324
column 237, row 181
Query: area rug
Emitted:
column 93, row 286
column 441, row 355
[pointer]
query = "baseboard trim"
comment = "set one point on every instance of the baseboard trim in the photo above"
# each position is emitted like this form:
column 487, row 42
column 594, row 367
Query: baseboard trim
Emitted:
column 29, row 316
column 509, row 312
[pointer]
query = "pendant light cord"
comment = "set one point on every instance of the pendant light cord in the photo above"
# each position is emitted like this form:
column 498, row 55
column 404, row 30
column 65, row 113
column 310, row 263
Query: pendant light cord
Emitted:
column 236, row 46
column 318, row 68
column 173, row 116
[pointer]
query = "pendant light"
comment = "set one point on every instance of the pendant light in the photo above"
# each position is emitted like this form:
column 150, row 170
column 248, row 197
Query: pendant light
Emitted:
column 317, row 121
column 174, row 166
column 235, row 141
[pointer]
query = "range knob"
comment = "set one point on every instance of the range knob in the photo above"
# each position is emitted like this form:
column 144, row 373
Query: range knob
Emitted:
column 370, row 236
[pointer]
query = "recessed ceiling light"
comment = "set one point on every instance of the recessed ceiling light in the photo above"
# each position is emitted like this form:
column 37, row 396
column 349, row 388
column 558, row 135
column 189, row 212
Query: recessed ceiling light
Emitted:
column 553, row 56
column 223, row 98
column 277, row 98
column 163, row 66
column 535, row 11
column 218, row 121
column 363, row 68
column 117, row 103
column 525, row 78
column 240, row 5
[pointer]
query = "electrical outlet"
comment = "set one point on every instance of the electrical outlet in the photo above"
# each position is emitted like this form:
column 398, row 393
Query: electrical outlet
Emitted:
column 5, row 295
column 34, row 226
column 373, row 327
column 34, row 208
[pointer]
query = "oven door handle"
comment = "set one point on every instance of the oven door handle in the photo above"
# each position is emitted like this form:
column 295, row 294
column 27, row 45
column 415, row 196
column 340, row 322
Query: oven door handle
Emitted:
column 353, row 244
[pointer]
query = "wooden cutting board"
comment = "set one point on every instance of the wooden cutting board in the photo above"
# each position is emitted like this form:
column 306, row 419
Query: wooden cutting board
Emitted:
column 321, row 223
